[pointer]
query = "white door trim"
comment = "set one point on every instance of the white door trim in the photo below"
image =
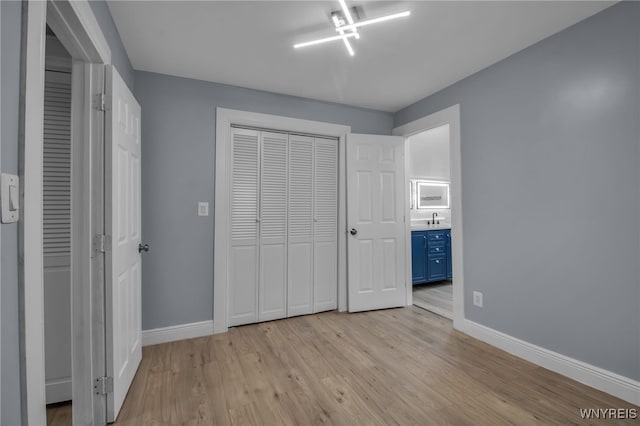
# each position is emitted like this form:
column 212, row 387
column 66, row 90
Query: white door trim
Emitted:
column 450, row 116
column 224, row 119
column 78, row 30
column 30, row 270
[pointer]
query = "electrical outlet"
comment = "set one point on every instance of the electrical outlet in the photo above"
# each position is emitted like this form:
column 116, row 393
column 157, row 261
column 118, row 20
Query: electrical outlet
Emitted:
column 477, row 299
column 203, row 209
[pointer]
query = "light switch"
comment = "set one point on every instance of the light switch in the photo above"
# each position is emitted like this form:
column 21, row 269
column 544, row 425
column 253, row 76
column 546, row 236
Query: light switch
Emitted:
column 14, row 202
column 10, row 197
column 203, row 209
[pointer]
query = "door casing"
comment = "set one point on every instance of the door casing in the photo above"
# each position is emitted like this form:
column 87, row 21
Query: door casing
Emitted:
column 224, row 119
column 77, row 29
column 450, row 116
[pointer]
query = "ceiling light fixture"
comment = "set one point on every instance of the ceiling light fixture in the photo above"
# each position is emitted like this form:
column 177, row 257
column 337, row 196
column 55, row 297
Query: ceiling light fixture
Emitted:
column 324, row 40
column 344, row 22
column 375, row 20
column 339, row 22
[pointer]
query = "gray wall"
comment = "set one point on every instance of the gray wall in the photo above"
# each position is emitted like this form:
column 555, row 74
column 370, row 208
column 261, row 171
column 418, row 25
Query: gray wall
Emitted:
column 11, row 39
column 550, row 173
column 119, row 57
column 178, row 134
column 10, row 357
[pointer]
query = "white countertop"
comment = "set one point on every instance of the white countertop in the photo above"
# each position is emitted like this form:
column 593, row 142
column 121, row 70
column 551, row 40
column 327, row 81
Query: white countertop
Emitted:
column 425, row 227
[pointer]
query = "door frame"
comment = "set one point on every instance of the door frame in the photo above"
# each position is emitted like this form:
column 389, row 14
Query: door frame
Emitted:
column 78, row 30
column 224, row 119
column 450, row 116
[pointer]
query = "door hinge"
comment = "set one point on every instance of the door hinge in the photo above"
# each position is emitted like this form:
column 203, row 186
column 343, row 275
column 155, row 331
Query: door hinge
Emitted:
column 103, row 385
column 101, row 102
column 102, row 243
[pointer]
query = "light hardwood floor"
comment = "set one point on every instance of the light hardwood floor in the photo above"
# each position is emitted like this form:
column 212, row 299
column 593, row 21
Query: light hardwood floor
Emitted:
column 59, row 414
column 400, row 366
column 437, row 298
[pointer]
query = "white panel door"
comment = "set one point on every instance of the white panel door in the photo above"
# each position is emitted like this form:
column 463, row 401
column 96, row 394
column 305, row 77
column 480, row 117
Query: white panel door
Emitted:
column 272, row 287
column 122, row 223
column 300, row 235
column 375, row 221
column 243, row 255
column 325, row 221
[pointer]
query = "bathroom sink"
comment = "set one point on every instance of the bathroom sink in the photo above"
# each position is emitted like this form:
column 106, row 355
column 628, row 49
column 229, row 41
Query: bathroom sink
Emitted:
column 422, row 225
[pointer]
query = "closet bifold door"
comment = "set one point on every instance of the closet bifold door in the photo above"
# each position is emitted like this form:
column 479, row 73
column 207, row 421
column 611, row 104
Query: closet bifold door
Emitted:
column 243, row 253
column 300, row 235
column 325, row 225
column 272, row 281
column 57, row 235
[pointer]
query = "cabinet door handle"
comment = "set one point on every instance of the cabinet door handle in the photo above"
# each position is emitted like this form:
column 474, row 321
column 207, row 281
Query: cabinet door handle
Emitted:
column 437, row 261
column 424, row 242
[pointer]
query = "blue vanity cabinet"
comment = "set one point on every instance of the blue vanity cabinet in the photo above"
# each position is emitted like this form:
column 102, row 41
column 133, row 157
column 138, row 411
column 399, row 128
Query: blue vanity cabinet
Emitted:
column 430, row 255
column 418, row 256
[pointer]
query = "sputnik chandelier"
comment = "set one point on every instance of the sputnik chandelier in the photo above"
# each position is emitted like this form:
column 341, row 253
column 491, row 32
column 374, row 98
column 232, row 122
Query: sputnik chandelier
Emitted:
column 347, row 27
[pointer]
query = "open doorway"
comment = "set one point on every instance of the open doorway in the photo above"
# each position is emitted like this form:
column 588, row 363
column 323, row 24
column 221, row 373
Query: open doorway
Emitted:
column 434, row 192
column 56, row 197
column 429, row 173
column 62, row 131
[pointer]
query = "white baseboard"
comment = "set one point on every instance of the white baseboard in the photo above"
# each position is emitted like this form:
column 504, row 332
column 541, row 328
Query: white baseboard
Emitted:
column 58, row 390
column 176, row 332
column 596, row 377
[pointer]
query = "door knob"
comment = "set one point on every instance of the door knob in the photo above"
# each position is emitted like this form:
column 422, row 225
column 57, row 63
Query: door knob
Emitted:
column 353, row 231
column 143, row 247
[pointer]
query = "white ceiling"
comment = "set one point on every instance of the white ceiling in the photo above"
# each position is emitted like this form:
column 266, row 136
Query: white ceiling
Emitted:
column 249, row 43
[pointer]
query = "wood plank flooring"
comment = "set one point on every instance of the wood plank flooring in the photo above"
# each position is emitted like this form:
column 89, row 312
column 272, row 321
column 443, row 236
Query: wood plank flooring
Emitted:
column 437, row 298
column 401, row 366
column 59, row 414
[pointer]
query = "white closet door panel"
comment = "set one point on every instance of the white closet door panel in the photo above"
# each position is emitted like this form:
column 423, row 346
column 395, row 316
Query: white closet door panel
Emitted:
column 57, row 328
column 325, row 276
column 243, row 284
column 56, row 230
column 273, row 282
column 57, row 167
column 244, row 184
column 273, row 188
column 273, row 227
column 326, row 190
column 300, row 188
column 300, row 235
column 244, row 253
column 325, row 203
column 300, row 282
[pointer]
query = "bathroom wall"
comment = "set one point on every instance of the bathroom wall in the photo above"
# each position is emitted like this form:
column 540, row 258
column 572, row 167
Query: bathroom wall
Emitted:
column 429, row 160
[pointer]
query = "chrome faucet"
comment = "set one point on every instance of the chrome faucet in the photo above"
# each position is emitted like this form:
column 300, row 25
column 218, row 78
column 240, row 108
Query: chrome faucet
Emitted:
column 433, row 219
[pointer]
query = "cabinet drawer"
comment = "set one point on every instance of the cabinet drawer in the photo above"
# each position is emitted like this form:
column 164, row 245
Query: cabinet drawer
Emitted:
column 437, row 267
column 437, row 235
column 435, row 249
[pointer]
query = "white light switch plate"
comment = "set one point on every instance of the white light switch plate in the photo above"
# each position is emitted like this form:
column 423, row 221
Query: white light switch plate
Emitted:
column 10, row 197
column 203, row 209
column 477, row 299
